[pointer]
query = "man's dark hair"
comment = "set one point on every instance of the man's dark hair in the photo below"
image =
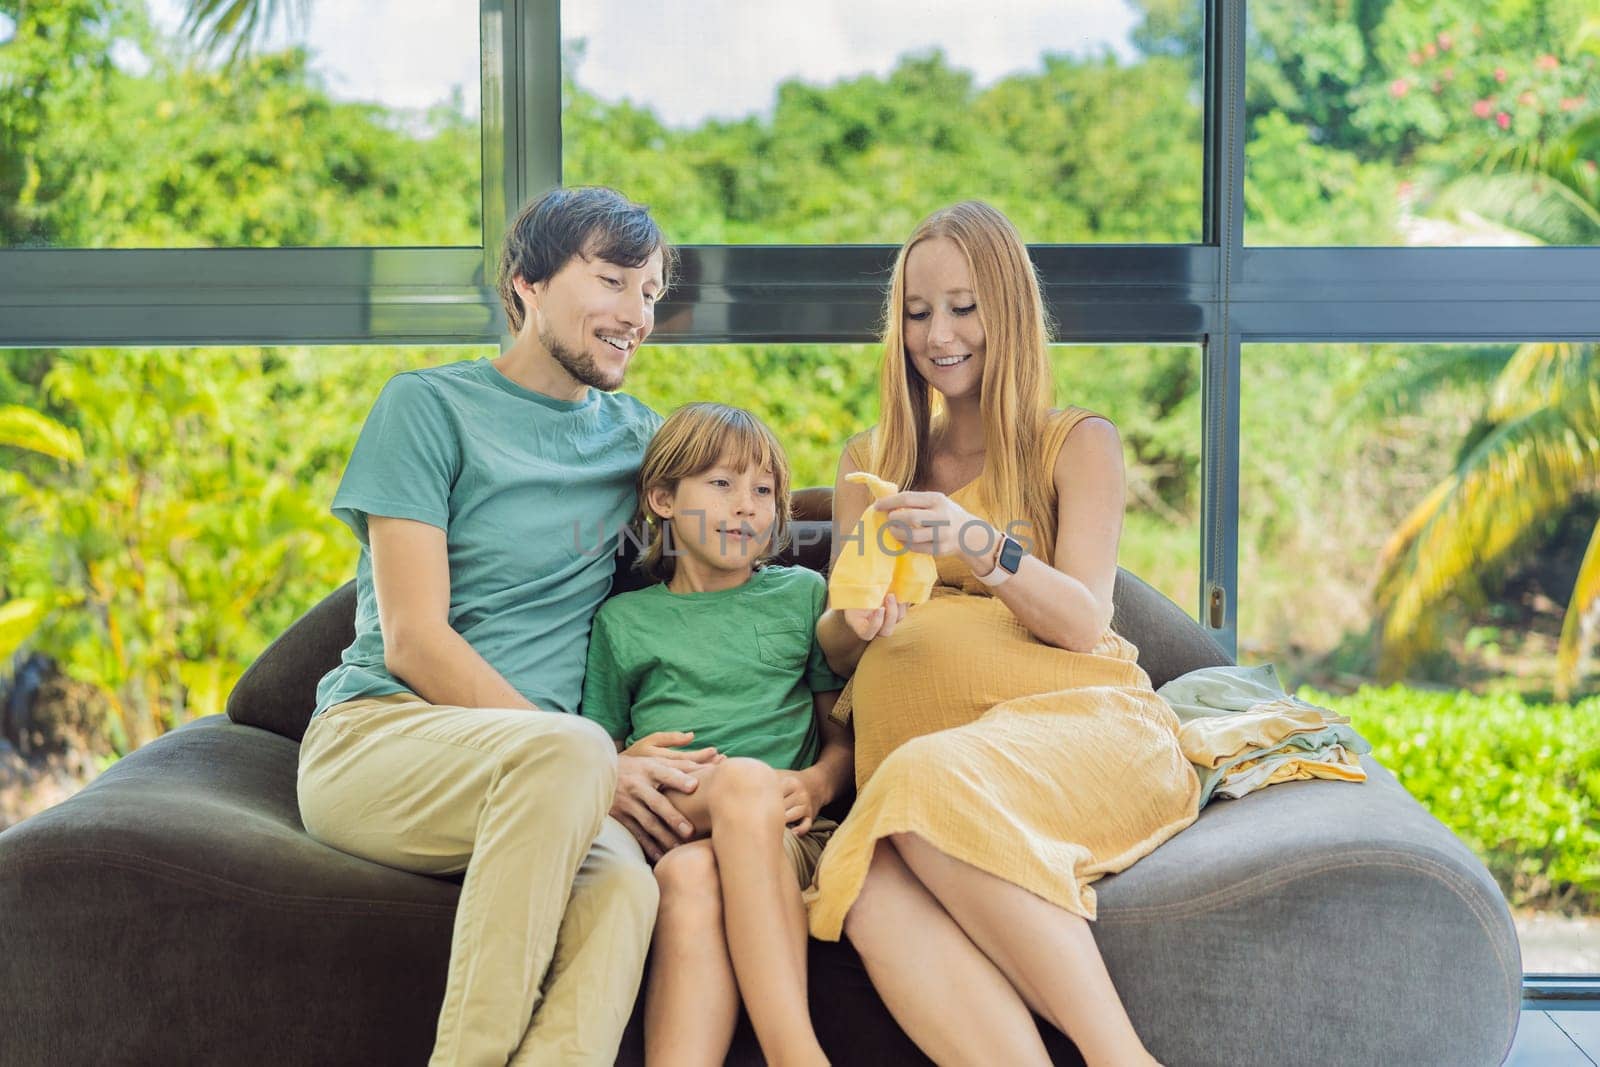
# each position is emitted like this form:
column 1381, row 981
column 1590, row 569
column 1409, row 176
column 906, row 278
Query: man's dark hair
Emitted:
column 587, row 220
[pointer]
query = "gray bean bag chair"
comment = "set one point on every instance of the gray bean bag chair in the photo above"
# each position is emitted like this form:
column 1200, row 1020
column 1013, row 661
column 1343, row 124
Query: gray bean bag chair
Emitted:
column 175, row 911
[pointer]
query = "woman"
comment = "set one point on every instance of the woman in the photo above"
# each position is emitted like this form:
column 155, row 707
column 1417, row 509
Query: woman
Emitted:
column 1009, row 749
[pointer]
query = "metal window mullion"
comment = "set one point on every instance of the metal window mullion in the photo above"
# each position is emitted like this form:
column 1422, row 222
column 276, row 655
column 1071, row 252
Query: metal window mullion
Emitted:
column 1219, row 448
column 541, row 98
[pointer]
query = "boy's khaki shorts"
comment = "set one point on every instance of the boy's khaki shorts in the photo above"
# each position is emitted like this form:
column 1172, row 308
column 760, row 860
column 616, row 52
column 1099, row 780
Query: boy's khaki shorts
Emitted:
column 804, row 850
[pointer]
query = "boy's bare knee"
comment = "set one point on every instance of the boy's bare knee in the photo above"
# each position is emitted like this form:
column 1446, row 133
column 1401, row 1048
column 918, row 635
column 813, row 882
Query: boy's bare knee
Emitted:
column 740, row 784
column 689, row 867
column 689, row 886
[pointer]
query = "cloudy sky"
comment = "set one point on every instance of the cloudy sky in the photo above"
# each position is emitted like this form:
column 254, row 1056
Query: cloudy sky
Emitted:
column 689, row 59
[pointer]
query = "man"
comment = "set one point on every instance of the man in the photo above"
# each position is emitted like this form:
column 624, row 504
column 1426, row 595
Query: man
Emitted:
column 444, row 740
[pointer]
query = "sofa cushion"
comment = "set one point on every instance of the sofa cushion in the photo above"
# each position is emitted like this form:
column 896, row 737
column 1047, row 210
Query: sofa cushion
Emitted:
column 1317, row 922
column 175, row 911
column 1314, row 922
column 278, row 692
column 1170, row 643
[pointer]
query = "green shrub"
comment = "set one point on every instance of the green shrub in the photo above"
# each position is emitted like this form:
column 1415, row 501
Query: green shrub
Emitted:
column 1519, row 782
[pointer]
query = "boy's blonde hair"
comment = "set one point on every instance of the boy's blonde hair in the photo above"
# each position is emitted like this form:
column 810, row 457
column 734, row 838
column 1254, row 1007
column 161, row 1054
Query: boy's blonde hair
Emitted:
column 692, row 440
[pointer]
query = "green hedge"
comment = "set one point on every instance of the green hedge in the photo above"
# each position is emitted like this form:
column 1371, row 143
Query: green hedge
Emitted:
column 1519, row 782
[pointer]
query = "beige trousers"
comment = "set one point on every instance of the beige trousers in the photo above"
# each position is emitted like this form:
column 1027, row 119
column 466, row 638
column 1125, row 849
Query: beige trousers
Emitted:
column 558, row 902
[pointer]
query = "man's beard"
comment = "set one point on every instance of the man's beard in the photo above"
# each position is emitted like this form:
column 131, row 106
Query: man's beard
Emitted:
column 580, row 365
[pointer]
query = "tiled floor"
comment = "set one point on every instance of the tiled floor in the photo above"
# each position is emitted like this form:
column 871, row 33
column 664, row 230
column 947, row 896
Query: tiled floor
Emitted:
column 1556, row 1038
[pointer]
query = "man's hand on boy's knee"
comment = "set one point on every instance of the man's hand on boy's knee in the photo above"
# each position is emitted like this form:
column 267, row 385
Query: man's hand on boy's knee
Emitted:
column 640, row 805
column 667, row 745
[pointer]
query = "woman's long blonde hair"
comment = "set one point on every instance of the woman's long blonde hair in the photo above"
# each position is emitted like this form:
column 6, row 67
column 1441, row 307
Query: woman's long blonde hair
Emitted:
column 1018, row 383
column 692, row 440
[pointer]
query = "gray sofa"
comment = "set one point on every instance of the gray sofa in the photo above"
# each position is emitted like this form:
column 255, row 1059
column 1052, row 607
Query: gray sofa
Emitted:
column 175, row 911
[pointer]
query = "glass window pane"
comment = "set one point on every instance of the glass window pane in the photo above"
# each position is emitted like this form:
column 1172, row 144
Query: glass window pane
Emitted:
column 838, row 122
column 356, row 125
column 1437, row 124
column 1412, row 523
column 165, row 514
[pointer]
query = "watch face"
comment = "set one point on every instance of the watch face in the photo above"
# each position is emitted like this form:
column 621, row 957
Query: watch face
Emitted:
column 1010, row 554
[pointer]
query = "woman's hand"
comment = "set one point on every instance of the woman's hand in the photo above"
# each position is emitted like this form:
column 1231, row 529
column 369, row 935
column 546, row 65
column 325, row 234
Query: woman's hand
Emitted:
column 933, row 523
column 867, row 623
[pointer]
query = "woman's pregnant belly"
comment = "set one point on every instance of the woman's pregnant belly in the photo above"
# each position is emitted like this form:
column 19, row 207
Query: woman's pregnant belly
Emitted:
column 949, row 660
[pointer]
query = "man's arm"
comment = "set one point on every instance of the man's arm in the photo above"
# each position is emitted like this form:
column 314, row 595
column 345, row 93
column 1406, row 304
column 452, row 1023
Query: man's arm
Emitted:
column 411, row 577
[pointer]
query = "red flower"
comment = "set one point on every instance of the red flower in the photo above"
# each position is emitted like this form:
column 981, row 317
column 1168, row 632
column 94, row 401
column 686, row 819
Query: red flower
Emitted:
column 1504, row 120
column 1483, row 108
column 1399, row 88
column 1445, row 41
column 1499, row 74
column 1571, row 103
column 1527, row 99
column 1429, row 51
column 1547, row 62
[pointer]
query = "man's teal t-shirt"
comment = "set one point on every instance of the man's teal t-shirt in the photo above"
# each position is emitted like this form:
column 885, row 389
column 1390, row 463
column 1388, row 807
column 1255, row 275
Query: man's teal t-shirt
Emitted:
column 737, row 666
column 532, row 494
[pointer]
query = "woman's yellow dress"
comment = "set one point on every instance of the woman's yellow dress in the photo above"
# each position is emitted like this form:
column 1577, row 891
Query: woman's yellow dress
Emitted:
column 1044, row 767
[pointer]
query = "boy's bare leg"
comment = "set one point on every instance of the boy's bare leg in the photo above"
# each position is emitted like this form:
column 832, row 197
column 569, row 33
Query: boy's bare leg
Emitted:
column 691, row 999
column 763, row 913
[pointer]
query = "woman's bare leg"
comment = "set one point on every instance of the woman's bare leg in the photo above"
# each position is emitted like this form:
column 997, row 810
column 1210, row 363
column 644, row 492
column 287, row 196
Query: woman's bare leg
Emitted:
column 1046, row 952
column 691, row 1003
column 943, row 992
column 762, row 911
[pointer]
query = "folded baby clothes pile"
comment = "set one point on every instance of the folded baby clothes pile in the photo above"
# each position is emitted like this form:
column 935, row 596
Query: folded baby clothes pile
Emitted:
column 1242, row 732
column 873, row 562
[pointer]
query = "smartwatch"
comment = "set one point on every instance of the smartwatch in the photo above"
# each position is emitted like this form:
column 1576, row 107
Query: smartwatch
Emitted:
column 1006, row 564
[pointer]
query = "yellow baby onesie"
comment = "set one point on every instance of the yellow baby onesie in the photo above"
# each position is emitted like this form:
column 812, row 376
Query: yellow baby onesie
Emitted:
column 865, row 573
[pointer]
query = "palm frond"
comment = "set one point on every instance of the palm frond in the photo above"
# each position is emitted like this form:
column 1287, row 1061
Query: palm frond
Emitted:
column 1520, row 472
column 1405, row 386
column 18, row 621
column 1536, row 204
column 1545, row 375
column 22, row 427
column 1585, row 593
column 238, row 25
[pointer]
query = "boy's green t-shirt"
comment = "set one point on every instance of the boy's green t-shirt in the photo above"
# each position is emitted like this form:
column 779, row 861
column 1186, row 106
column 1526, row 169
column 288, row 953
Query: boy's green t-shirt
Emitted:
column 737, row 666
column 532, row 493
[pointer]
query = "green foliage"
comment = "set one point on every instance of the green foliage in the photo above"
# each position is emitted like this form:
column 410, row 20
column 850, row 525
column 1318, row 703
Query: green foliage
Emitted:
column 1534, row 448
column 1290, row 181
column 194, row 528
column 1423, row 90
column 1518, row 782
column 1087, row 150
column 185, row 156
